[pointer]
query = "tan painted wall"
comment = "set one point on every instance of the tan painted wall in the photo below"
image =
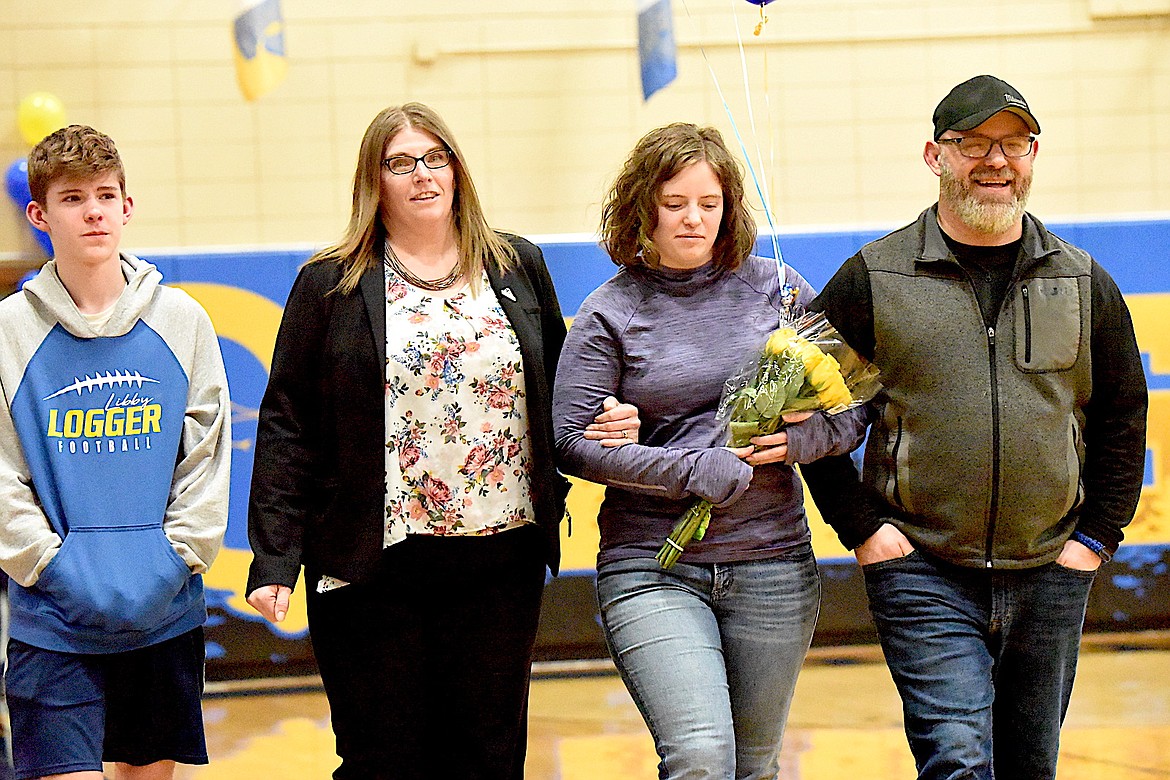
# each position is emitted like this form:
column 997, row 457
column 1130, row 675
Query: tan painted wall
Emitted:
column 544, row 97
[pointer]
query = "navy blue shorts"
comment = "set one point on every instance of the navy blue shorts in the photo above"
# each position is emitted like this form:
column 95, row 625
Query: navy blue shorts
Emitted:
column 71, row 711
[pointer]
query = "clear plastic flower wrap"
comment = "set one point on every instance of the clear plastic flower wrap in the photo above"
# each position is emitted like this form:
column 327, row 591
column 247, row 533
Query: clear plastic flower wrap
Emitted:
column 803, row 366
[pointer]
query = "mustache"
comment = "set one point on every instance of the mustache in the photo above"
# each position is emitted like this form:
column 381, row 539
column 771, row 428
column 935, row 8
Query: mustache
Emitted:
column 981, row 175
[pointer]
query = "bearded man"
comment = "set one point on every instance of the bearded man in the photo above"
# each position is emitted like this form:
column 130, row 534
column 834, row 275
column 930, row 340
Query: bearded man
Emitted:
column 1007, row 449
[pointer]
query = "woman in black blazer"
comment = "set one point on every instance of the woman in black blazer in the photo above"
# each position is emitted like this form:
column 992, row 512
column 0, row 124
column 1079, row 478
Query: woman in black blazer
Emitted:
column 404, row 457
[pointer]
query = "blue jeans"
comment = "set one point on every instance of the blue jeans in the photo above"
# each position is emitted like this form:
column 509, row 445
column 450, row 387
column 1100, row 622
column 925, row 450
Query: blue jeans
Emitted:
column 984, row 661
column 710, row 654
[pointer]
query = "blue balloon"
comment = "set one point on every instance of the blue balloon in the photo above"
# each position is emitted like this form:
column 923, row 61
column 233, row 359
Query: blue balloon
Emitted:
column 16, row 182
column 43, row 239
column 759, row 2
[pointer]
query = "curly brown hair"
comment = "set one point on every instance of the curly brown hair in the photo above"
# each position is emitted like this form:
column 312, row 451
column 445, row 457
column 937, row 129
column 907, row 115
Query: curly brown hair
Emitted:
column 630, row 213
column 73, row 152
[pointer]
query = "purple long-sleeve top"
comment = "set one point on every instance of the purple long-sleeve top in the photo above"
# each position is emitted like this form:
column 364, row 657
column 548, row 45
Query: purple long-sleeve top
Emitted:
column 666, row 340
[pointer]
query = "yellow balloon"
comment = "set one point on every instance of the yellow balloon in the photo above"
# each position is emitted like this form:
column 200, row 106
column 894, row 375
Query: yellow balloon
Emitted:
column 40, row 113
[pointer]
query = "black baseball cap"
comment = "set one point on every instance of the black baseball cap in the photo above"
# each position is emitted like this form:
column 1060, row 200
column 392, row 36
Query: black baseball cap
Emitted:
column 975, row 101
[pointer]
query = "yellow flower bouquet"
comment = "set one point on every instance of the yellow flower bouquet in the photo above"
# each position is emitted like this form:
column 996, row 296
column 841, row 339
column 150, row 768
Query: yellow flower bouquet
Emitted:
column 804, row 366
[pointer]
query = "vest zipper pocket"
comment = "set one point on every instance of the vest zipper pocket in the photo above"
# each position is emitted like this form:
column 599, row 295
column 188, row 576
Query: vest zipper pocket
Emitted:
column 1027, row 325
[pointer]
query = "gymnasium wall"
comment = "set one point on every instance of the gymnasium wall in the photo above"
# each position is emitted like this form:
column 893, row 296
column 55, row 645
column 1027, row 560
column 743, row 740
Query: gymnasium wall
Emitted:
column 544, row 98
column 833, row 100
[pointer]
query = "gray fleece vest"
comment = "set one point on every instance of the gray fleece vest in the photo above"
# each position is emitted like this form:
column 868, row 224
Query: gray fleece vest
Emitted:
column 980, row 442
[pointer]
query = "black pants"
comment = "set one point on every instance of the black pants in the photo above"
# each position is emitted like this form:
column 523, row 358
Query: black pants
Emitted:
column 426, row 666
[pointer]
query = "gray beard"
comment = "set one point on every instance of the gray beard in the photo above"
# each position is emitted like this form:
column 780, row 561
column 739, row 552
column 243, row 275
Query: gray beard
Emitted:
column 986, row 217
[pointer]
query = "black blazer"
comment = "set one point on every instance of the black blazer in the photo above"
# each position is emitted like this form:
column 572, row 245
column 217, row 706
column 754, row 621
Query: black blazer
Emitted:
column 318, row 483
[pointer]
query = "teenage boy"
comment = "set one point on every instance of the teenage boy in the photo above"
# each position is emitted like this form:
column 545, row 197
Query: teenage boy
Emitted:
column 115, row 448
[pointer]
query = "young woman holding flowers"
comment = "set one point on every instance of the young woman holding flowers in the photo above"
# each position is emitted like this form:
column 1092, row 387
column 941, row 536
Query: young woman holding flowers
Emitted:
column 710, row 648
column 404, row 458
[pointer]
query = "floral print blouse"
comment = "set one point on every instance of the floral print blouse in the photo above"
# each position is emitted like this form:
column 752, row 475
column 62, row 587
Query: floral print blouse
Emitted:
column 458, row 460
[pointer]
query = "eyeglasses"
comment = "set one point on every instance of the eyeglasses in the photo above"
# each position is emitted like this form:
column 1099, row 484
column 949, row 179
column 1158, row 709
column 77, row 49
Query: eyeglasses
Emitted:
column 975, row 146
column 402, row 164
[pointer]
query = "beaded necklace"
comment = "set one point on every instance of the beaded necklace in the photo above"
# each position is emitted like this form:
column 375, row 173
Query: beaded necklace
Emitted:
column 434, row 285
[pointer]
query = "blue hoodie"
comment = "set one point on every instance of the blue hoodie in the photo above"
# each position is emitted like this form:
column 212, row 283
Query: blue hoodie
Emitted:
column 115, row 447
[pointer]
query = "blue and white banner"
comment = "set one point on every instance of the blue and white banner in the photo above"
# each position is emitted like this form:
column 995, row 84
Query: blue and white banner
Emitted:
column 258, row 32
column 656, row 51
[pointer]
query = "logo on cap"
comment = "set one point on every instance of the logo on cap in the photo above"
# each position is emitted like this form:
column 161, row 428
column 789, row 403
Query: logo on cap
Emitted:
column 975, row 101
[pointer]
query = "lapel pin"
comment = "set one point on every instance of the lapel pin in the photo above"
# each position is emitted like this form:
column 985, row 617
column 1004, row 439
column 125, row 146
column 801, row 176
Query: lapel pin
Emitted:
column 507, row 293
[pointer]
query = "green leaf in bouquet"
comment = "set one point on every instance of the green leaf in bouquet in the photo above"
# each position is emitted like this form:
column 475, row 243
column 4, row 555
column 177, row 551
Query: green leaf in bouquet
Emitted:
column 742, row 431
column 805, row 391
column 777, row 398
column 796, row 381
column 802, row 403
column 745, row 410
column 774, row 370
column 766, row 399
column 742, row 402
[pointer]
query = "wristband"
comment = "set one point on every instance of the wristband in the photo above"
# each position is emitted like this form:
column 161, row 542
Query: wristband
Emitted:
column 1093, row 545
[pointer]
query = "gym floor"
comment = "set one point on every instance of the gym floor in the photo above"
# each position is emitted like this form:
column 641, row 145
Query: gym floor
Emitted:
column 845, row 723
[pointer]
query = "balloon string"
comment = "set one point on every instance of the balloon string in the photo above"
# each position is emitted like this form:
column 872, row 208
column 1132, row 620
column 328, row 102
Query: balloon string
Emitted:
column 739, row 138
column 764, row 200
column 771, row 135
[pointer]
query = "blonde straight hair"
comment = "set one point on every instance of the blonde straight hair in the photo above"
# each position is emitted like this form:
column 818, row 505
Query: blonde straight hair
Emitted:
column 360, row 248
